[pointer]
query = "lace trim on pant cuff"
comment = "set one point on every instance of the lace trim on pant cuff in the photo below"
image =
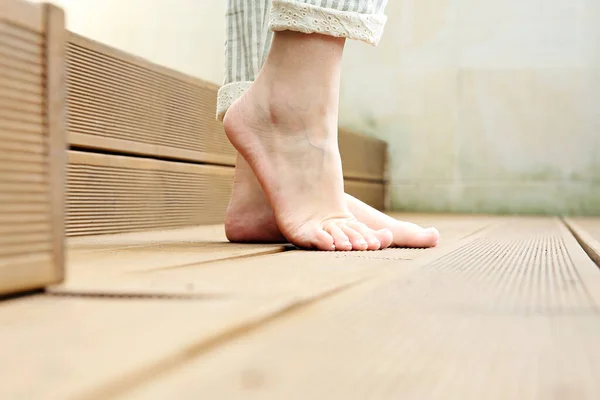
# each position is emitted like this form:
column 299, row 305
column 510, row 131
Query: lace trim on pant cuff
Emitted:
column 307, row 18
column 228, row 94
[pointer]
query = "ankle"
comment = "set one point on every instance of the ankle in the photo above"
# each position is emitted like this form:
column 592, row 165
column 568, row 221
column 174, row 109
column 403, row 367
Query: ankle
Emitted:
column 285, row 110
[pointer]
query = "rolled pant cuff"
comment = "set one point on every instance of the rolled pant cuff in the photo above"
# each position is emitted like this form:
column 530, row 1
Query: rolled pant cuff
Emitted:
column 307, row 18
column 228, row 94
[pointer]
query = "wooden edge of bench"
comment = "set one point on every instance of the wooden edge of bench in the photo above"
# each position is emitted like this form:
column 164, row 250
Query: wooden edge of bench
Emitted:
column 121, row 161
column 349, row 132
column 90, row 44
column 55, row 96
column 131, row 147
column 589, row 244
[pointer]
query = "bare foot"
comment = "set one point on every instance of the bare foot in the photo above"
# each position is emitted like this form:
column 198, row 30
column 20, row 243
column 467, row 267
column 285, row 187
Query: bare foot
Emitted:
column 285, row 127
column 250, row 218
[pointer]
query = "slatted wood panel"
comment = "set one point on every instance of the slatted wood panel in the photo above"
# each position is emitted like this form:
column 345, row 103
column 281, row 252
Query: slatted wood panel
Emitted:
column 372, row 193
column 111, row 194
column 121, row 103
column 510, row 315
column 32, row 145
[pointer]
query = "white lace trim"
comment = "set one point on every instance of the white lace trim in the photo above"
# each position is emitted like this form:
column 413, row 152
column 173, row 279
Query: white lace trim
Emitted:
column 307, row 18
column 228, row 94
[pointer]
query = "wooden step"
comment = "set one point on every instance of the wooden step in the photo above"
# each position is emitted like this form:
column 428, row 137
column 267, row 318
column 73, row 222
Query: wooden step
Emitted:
column 110, row 194
column 32, row 145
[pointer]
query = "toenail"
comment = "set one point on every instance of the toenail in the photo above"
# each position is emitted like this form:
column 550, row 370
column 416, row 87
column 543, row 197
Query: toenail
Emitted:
column 346, row 243
column 362, row 242
column 430, row 231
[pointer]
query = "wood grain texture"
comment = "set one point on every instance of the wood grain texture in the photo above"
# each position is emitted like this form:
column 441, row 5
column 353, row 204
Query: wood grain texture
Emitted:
column 75, row 347
column 509, row 315
column 32, row 145
column 122, row 103
column 111, row 194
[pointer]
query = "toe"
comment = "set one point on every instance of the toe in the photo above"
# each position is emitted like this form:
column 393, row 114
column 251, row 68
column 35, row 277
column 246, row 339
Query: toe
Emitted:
column 358, row 241
column 340, row 239
column 373, row 243
column 385, row 237
column 323, row 240
column 312, row 237
column 407, row 234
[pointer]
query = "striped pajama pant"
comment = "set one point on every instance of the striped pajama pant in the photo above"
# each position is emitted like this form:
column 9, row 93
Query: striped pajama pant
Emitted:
column 250, row 25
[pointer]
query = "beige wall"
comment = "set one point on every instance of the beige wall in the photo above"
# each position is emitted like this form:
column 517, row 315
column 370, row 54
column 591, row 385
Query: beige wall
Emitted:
column 488, row 106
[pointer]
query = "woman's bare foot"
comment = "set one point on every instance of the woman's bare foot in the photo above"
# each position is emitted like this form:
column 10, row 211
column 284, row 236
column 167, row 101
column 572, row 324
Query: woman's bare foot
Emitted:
column 250, row 218
column 285, row 127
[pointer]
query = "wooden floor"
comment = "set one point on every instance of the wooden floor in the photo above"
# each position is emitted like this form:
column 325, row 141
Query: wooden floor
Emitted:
column 503, row 308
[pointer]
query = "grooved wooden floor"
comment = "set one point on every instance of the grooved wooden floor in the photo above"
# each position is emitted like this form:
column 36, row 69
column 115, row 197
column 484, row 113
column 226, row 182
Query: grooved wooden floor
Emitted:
column 503, row 308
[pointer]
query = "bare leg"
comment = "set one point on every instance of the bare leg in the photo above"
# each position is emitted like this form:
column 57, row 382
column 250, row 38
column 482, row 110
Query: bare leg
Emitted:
column 285, row 127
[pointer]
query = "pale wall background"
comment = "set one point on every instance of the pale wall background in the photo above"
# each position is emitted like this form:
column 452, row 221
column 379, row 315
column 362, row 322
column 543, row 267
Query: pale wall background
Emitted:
column 488, row 105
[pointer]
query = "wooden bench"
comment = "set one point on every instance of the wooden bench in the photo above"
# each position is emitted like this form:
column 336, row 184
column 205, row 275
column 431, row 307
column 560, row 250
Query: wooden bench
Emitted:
column 32, row 145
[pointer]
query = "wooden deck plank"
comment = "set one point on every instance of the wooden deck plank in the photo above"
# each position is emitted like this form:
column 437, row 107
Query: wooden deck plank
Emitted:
column 587, row 232
column 128, row 326
column 203, row 243
column 71, row 346
column 512, row 314
column 183, row 261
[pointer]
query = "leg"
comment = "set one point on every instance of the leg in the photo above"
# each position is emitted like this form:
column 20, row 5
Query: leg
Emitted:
column 285, row 127
column 250, row 217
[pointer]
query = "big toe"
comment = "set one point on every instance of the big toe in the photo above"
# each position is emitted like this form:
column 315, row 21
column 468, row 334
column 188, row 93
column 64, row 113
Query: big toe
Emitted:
column 312, row 236
column 410, row 235
column 385, row 237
